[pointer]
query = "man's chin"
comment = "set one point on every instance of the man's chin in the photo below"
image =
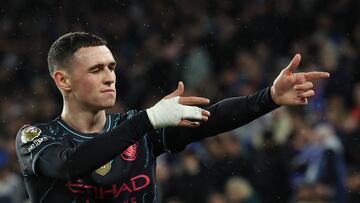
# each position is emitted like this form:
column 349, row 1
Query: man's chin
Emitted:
column 108, row 105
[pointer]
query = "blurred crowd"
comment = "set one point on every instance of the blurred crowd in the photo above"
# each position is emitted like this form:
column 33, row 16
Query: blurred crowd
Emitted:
column 219, row 48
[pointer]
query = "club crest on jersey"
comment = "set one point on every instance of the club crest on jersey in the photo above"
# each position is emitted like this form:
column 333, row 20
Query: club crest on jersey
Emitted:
column 103, row 170
column 29, row 133
column 130, row 153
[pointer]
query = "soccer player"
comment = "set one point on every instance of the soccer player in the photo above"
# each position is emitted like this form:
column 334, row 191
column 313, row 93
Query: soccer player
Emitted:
column 86, row 155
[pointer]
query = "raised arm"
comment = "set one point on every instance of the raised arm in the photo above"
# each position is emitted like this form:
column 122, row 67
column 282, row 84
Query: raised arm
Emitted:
column 289, row 88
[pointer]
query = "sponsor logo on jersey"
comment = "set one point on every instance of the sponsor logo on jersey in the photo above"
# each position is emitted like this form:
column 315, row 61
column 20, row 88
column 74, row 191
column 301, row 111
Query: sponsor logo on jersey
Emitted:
column 103, row 170
column 120, row 190
column 29, row 133
column 131, row 152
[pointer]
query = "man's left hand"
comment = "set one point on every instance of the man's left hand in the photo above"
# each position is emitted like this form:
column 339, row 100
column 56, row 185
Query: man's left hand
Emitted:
column 291, row 88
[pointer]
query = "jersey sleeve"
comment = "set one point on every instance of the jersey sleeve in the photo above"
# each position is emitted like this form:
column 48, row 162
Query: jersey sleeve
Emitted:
column 56, row 160
column 159, row 142
column 225, row 115
column 30, row 142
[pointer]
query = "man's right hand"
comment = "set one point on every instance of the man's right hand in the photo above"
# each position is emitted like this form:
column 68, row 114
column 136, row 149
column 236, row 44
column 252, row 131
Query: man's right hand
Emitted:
column 175, row 110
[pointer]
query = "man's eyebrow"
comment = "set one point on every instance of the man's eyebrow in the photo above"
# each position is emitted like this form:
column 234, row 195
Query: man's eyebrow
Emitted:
column 113, row 64
column 99, row 65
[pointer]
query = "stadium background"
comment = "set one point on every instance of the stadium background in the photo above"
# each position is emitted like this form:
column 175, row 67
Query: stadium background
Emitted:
column 219, row 49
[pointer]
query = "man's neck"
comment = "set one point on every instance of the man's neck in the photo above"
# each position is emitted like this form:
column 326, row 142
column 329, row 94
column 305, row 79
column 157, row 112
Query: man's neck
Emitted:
column 84, row 121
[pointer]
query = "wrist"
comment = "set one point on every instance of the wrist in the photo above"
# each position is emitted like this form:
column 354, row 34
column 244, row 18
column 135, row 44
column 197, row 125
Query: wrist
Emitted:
column 274, row 95
column 150, row 113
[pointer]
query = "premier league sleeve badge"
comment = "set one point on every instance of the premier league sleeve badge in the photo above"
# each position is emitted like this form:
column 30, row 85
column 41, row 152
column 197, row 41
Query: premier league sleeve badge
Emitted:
column 29, row 133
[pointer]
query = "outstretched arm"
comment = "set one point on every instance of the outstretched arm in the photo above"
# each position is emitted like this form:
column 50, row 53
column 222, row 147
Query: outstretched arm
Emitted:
column 226, row 115
column 289, row 88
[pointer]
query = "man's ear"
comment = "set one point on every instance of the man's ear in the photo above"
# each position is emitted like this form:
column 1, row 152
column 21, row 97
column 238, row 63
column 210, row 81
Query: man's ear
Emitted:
column 62, row 80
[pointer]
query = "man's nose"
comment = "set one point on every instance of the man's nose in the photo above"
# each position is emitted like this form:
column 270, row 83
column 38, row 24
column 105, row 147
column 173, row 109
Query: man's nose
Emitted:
column 109, row 77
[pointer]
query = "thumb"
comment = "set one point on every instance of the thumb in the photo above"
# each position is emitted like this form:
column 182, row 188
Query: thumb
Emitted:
column 293, row 64
column 178, row 92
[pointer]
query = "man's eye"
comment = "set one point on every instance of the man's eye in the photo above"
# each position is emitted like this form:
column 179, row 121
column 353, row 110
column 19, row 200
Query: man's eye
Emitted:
column 95, row 70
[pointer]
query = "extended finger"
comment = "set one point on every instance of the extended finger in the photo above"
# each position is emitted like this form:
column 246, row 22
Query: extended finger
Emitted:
column 205, row 113
column 306, row 94
column 294, row 63
column 189, row 124
column 194, row 113
column 193, row 101
column 316, row 75
column 204, row 118
column 178, row 92
column 305, row 86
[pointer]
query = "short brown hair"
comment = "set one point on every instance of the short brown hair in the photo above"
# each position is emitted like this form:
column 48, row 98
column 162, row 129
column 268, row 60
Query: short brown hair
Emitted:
column 66, row 45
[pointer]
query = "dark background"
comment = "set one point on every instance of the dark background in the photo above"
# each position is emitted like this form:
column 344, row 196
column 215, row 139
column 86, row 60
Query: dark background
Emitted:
column 219, row 49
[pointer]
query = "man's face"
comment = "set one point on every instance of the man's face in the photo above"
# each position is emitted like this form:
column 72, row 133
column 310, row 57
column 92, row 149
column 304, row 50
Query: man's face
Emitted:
column 92, row 78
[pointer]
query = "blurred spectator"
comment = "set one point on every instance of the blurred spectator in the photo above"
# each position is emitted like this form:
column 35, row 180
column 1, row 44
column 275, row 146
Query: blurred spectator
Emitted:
column 216, row 197
column 11, row 185
column 355, row 111
column 271, row 166
column 191, row 184
column 226, row 159
column 238, row 190
column 319, row 162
